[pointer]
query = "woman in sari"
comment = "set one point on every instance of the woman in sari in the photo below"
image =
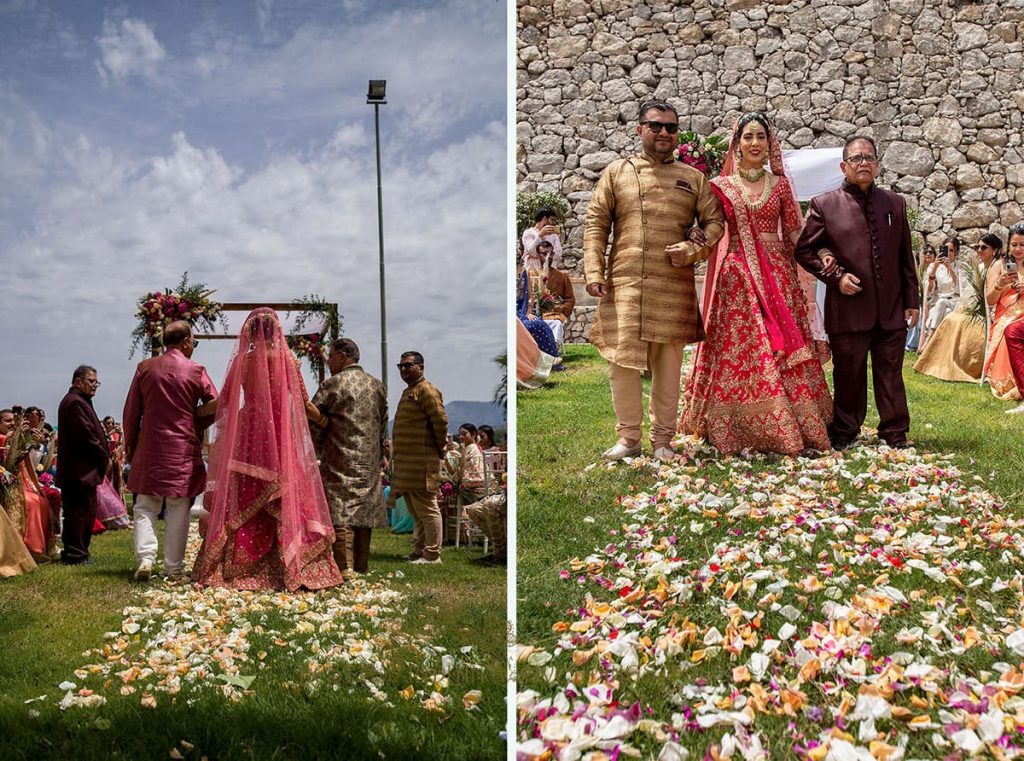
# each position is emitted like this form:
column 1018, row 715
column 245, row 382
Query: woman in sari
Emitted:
column 269, row 526
column 110, row 509
column 28, row 507
column 756, row 382
column 537, row 328
column 956, row 351
column 14, row 556
column 1004, row 290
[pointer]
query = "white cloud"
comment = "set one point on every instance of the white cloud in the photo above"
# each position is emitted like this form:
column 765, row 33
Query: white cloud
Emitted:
column 94, row 217
column 127, row 49
column 263, row 10
column 114, row 228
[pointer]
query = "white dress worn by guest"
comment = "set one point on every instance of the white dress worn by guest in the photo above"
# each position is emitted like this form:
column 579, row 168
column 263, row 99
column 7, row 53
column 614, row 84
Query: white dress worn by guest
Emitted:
column 947, row 294
column 531, row 237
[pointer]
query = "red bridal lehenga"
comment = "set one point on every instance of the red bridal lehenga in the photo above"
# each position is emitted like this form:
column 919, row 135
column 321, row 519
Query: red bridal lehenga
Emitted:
column 756, row 381
column 269, row 525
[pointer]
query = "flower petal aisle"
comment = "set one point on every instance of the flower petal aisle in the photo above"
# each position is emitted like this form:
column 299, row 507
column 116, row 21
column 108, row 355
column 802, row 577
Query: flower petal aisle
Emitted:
column 182, row 641
column 863, row 605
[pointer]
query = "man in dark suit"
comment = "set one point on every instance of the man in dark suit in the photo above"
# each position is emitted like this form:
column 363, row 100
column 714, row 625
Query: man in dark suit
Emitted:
column 872, row 295
column 81, row 464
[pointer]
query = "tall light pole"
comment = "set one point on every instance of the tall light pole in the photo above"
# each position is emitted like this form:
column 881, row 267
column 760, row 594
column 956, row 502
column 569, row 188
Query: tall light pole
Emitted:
column 376, row 97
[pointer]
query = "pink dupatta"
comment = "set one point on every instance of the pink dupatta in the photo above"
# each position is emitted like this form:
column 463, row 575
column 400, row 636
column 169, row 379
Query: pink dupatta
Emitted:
column 783, row 333
column 264, row 492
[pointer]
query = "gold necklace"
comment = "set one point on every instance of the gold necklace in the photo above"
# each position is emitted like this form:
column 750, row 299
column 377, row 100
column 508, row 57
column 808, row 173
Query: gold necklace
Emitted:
column 750, row 175
column 752, row 203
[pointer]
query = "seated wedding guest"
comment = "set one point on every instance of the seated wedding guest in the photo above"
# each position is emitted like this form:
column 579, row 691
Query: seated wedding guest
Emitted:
column 27, row 505
column 6, row 421
column 956, row 351
column 926, row 261
column 464, row 464
column 34, row 419
column 533, row 366
column 1004, row 291
column 545, row 228
column 942, row 279
column 48, row 461
column 14, row 556
column 551, row 293
column 537, row 328
column 485, row 438
column 490, row 516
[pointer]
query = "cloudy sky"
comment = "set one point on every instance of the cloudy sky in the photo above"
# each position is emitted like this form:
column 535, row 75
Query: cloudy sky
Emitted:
column 233, row 140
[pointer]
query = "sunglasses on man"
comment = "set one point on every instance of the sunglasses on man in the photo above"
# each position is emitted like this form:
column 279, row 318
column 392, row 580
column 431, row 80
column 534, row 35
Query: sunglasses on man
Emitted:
column 670, row 127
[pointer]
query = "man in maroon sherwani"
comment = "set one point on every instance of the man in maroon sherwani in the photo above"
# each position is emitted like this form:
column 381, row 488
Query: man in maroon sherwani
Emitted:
column 872, row 295
column 163, row 445
column 81, row 465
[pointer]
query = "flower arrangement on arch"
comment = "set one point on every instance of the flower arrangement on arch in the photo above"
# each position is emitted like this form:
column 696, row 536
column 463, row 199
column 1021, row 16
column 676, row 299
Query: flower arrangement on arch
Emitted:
column 190, row 302
column 705, row 154
column 315, row 346
column 311, row 347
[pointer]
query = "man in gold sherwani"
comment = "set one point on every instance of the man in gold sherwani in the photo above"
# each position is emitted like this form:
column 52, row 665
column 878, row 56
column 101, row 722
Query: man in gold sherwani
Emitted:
column 648, row 301
column 349, row 418
column 418, row 446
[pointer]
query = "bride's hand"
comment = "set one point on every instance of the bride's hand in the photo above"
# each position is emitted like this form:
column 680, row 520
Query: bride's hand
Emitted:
column 828, row 264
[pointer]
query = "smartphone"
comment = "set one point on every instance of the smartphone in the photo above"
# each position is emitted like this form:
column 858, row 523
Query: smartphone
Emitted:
column 1011, row 266
column 558, row 230
column 944, row 251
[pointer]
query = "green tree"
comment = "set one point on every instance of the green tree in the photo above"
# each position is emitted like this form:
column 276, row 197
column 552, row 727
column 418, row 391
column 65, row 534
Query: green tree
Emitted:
column 528, row 203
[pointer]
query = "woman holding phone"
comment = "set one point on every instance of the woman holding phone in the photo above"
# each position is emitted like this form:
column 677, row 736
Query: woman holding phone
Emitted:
column 1004, row 291
column 942, row 281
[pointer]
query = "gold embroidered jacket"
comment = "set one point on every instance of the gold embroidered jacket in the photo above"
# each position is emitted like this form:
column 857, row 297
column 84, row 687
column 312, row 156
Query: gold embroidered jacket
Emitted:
column 645, row 205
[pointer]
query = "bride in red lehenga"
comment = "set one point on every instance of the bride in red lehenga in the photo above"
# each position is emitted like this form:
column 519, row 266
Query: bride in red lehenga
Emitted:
column 756, row 381
column 269, row 526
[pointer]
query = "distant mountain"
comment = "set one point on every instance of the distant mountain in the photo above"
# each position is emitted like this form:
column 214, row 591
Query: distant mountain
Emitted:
column 477, row 413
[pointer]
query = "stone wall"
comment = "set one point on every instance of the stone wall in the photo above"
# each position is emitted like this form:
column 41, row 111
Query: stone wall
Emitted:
column 577, row 327
column 939, row 84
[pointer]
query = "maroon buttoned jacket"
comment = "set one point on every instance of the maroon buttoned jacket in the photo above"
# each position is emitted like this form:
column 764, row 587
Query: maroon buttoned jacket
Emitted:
column 83, row 455
column 869, row 235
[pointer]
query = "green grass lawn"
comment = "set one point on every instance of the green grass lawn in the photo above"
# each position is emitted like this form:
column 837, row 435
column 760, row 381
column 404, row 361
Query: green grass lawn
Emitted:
column 592, row 541
column 303, row 701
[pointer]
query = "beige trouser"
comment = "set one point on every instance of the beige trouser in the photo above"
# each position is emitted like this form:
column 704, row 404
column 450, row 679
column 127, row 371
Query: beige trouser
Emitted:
column 490, row 515
column 665, row 361
column 426, row 516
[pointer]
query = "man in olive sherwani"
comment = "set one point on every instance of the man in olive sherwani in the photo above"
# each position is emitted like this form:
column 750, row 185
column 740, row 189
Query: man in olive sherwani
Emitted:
column 648, row 299
column 350, row 413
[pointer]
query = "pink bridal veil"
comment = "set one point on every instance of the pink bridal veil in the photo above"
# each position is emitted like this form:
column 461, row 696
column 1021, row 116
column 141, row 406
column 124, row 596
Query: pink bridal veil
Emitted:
column 269, row 523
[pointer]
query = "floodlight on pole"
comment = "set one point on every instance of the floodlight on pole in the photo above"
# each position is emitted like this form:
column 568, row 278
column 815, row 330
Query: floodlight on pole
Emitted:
column 376, row 95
